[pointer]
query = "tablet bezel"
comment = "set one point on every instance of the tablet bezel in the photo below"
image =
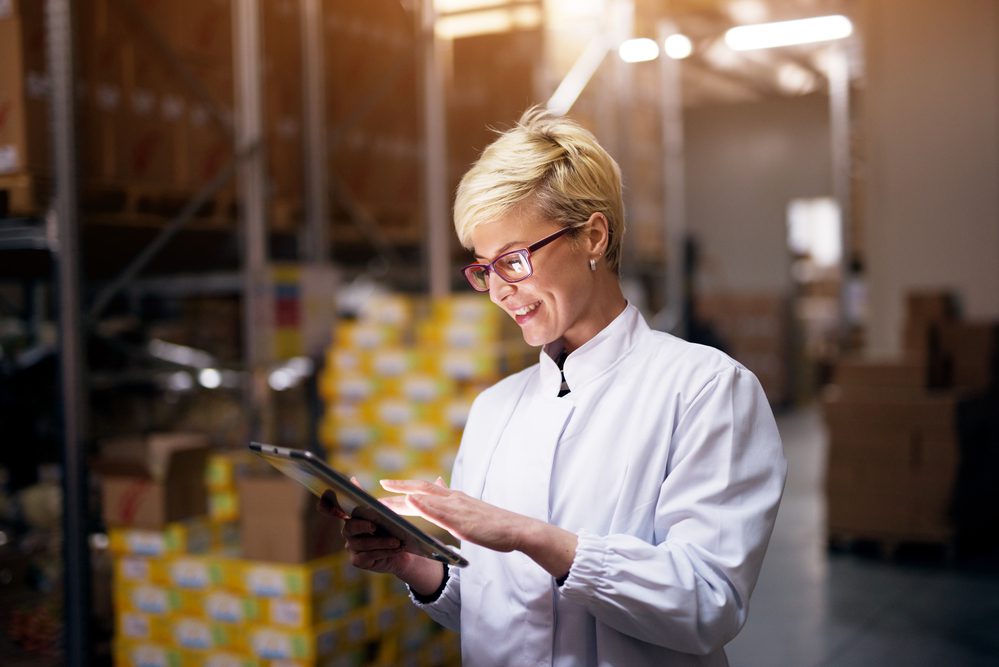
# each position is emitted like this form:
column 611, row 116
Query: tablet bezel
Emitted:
column 295, row 462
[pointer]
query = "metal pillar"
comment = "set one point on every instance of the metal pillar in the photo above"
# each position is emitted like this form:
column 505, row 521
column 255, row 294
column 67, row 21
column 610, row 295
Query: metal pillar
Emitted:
column 674, row 187
column 838, row 72
column 436, row 210
column 76, row 550
column 252, row 199
column 316, row 239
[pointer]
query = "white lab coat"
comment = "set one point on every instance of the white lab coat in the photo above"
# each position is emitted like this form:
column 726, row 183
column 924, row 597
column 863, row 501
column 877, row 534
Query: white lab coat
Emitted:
column 665, row 461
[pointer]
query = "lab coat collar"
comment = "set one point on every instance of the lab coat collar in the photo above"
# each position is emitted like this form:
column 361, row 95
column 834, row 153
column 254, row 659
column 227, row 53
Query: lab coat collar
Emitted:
column 594, row 357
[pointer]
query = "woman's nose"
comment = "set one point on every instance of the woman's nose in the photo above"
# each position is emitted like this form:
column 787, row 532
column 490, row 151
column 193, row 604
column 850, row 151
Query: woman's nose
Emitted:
column 499, row 289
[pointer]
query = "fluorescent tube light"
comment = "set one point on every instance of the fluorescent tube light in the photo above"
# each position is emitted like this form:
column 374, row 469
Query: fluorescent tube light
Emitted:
column 638, row 50
column 788, row 33
column 524, row 17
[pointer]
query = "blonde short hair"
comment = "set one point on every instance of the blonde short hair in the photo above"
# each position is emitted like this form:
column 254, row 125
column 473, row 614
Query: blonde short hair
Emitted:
column 551, row 163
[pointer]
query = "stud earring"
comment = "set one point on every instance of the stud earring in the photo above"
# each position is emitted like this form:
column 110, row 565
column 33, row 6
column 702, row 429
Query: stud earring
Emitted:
column 593, row 264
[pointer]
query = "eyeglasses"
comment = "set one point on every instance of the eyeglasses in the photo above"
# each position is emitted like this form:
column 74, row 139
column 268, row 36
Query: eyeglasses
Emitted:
column 512, row 266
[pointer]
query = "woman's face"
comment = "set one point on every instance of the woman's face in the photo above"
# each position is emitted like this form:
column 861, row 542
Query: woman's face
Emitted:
column 555, row 300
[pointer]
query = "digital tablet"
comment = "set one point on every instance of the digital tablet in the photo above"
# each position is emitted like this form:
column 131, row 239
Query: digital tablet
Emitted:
column 315, row 475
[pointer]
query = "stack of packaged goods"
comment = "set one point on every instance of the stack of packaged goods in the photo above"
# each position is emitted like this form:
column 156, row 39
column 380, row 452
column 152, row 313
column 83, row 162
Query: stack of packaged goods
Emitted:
column 221, row 474
column 261, row 579
column 895, row 450
column 400, row 380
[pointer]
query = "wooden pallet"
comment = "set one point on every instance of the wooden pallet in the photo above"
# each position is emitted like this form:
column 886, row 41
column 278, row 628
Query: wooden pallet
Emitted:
column 927, row 546
column 151, row 204
column 24, row 195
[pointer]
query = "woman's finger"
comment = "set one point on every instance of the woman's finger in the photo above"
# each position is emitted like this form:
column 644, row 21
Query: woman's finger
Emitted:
column 399, row 505
column 413, row 486
column 373, row 544
column 353, row 527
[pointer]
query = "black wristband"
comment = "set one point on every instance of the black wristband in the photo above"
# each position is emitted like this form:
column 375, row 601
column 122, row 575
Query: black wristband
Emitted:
column 427, row 599
column 561, row 580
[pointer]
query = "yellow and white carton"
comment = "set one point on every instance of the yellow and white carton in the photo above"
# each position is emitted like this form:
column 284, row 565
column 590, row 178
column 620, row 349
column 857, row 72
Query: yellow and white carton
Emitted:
column 282, row 580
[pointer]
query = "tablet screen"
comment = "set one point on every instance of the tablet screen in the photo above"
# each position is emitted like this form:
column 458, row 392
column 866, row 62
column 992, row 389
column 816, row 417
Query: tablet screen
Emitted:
column 314, row 474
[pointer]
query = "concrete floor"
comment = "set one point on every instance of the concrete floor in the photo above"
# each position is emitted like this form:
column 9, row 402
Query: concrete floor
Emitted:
column 813, row 607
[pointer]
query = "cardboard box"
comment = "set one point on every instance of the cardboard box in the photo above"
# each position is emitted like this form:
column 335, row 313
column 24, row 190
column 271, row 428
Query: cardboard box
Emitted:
column 150, row 481
column 279, row 521
column 970, row 354
column 878, row 379
column 891, row 467
column 24, row 89
column 301, row 580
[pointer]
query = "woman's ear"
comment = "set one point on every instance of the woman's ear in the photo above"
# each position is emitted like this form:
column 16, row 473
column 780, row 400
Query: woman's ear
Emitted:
column 597, row 235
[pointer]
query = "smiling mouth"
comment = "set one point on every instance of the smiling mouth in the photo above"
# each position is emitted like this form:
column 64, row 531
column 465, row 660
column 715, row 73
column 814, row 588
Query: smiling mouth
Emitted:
column 524, row 310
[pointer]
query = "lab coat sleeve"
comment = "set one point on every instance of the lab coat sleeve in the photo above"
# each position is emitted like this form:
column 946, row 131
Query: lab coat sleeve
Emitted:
column 446, row 609
column 689, row 590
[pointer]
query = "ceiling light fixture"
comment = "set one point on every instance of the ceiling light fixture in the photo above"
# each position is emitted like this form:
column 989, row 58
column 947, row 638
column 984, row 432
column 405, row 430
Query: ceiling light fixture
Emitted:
column 678, row 46
column 788, row 33
column 638, row 50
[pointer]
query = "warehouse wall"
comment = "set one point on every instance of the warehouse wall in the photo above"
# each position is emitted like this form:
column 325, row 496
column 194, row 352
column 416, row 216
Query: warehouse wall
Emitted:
column 744, row 163
column 932, row 139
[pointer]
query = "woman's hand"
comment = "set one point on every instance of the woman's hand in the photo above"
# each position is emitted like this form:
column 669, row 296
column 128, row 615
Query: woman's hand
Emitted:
column 370, row 549
column 458, row 513
column 470, row 519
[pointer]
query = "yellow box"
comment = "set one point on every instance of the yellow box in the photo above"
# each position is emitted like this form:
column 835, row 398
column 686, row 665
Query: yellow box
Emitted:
column 399, row 361
column 130, row 653
column 425, row 437
column 302, row 613
column 272, row 643
column 425, row 387
column 352, row 435
column 223, row 467
column 224, row 606
column 191, row 632
column 153, row 600
column 217, row 658
column 355, row 388
column 366, row 336
column 340, row 360
column 394, row 310
column 133, row 570
column 465, row 308
column 191, row 572
column 278, row 580
column 223, row 505
column 456, row 412
column 225, row 538
column 138, row 626
column 192, row 536
column 386, row 617
column 468, row 365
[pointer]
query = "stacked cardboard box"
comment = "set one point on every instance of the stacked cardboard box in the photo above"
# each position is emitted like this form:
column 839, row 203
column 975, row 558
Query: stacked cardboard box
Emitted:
column 754, row 330
column 24, row 142
column 197, row 592
column 372, row 103
column 892, row 455
column 399, row 382
column 893, row 449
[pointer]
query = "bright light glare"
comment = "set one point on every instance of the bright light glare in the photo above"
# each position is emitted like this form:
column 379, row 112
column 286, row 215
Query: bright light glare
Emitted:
column 678, row 46
column 180, row 381
column 795, row 79
column 209, row 378
column 281, row 379
column 448, row 6
column 788, row 33
column 488, row 22
column 638, row 50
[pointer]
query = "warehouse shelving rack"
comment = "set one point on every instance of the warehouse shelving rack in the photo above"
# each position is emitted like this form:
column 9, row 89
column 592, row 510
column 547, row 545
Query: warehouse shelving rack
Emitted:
column 57, row 235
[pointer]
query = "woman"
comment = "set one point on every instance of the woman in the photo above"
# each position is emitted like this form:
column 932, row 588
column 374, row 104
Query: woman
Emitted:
column 615, row 500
